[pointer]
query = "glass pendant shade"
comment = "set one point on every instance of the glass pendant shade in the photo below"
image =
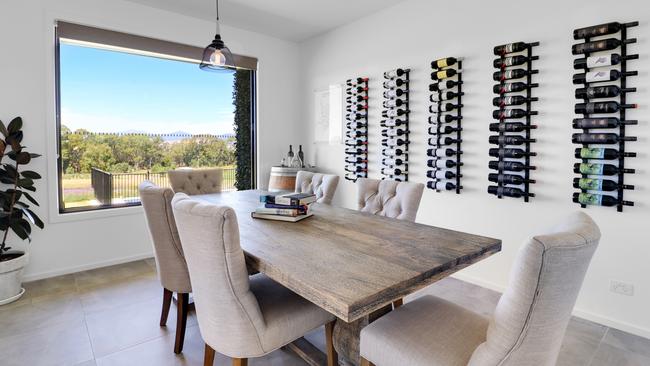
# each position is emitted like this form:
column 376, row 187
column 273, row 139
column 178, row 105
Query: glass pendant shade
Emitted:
column 217, row 57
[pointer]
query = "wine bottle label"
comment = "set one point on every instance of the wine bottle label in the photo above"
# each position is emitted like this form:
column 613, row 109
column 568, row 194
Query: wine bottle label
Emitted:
column 592, row 153
column 590, row 199
column 441, row 63
column 599, row 61
column 596, row 76
column 590, row 184
column 591, row 168
column 441, row 74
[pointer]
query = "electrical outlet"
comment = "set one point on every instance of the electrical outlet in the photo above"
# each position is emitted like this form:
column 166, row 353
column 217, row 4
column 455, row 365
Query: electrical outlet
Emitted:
column 622, row 288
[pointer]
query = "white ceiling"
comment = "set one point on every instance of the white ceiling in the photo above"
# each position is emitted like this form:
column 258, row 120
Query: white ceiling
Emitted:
column 295, row 20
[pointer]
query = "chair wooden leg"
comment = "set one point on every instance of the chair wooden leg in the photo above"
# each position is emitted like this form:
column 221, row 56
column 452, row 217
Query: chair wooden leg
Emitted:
column 397, row 303
column 240, row 362
column 332, row 356
column 208, row 356
column 181, row 321
column 365, row 362
column 167, row 301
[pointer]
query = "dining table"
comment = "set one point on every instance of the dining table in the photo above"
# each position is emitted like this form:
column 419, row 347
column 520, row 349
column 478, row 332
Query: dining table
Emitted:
column 355, row 265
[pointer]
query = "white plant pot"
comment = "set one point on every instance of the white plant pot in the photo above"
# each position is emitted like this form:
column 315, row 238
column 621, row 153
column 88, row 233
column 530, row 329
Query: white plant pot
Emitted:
column 11, row 277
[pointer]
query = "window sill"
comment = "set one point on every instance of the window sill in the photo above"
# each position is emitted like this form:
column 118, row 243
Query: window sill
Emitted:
column 95, row 214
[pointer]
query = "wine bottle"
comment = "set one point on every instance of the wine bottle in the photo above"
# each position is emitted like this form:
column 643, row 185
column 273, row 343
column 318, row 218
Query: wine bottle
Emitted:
column 511, row 127
column 393, row 161
column 356, row 107
column 600, row 153
column 290, row 153
column 510, row 48
column 600, row 75
column 356, row 90
column 394, row 132
column 442, row 163
column 599, row 138
column 444, row 118
column 392, row 122
column 301, row 156
column 394, row 112
column 601, row 107
column 393, row 83
column 510, row 61
column 511, row 74
column 599, row 169
column 600, row 45
column 442, row 186
column 510, row 153
column 511, row 166
column 355, row 143
column 445, row 95
column 443, row 74
column 509, row 140
column 601, row 61
column 604, row 185
column 393, row 152
column 443, row 107
column 444, row 85
column 507, row 191
column 355, row 160
column 511, row 100
column 610, row 122
column 394, row 73
column 598, row 200
column 357, row 169
column 596, row 30
column 443, row 62
column 441, row 174
column 356, row 116
column 393, row 171
column 353, row 151
column 512, row 113
column 508, row 179
column 394, row 93
column 394, row 142
column 392, row 103
column 356, row 125
column 441, row 152
column 512, row 87
column 608, row 91
column 358, row 98
column 443, row 141
column 443, row 130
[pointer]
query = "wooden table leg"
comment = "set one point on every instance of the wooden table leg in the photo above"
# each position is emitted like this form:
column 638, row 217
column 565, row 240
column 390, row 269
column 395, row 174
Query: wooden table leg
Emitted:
column 347, row 335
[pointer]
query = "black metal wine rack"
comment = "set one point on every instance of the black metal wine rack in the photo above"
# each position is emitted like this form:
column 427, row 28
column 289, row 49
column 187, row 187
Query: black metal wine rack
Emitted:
column 513, row 142
column 395, row 125
column 356, row 129
column 445, row 125
column 603, row 71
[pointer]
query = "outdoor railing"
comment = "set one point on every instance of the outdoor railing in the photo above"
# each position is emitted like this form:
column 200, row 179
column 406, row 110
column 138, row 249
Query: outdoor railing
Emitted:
column 123, row 187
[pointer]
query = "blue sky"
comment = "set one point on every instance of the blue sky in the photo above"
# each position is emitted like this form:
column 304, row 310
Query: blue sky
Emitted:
column 109, row 91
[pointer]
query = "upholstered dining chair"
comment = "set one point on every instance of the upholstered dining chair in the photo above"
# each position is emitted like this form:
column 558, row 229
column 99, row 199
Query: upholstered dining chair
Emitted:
column 399, row 200
column 528, row 324
column 239, row 316
column 196, row 181
column 322, row 185
column 170, row 261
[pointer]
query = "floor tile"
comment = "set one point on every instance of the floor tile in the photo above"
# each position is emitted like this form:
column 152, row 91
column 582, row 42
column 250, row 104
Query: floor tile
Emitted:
column 101, row 276
column 51, row 286
column 60, row 344
column 608, row 355
column 151, row 262
column 40, row 313
column 628, row 342
column 120, row 293
column 580, row 342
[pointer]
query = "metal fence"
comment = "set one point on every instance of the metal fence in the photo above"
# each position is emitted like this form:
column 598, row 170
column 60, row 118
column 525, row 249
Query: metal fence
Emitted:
column 111, row 188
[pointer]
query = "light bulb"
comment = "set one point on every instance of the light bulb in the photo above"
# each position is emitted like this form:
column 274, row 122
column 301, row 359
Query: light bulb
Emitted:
column 218, row 58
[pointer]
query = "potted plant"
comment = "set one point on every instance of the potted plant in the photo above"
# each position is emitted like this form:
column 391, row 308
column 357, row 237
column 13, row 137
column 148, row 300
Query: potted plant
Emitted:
column 15, row 214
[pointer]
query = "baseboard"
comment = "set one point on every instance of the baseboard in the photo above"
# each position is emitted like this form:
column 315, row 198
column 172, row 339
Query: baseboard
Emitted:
column 577, row 312
column 85, row 267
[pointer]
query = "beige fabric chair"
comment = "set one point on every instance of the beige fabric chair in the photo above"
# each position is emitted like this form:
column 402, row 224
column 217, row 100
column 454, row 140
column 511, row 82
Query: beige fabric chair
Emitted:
column 196, row 181
column 170, row 262
column 322, row 185
column 528, row 324
column 399, row 200
column 238, row 316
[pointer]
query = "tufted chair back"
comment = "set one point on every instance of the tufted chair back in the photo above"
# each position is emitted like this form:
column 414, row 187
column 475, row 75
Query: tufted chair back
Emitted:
column 399, row 200
column 196, row 181
column 322, row 185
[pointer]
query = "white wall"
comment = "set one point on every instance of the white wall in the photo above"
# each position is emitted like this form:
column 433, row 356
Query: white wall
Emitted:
column 26, row 89
column 415, row 33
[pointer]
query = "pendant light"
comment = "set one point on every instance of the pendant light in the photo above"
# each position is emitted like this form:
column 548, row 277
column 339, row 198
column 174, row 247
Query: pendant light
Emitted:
column 217, row 57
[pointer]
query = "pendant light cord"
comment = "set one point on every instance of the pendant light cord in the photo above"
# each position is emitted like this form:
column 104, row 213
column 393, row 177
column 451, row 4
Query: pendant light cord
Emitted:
column 217, row 2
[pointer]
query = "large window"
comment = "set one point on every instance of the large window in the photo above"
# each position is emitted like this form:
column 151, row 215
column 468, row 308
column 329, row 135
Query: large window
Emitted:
column 126, row 115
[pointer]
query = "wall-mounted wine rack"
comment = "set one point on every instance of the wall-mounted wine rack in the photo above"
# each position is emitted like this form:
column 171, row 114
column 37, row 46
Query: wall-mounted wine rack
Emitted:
column 514, row 99
column 603, row 108
column 395, row 125
column 356, row 129
column 445, row 125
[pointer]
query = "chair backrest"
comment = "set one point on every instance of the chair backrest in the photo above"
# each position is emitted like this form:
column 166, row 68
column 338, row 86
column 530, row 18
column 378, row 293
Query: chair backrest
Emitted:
column 322, row 185
column 170, row 261
column 399, row 200
column 196, row 181
column 228, row 314
column 532, row 315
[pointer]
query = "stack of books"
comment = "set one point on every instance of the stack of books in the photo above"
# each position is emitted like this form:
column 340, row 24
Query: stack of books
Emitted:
column 290, row 207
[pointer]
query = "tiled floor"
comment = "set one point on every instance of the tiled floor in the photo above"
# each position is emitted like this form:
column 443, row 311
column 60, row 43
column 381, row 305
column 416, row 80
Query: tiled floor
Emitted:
column 110, row 316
